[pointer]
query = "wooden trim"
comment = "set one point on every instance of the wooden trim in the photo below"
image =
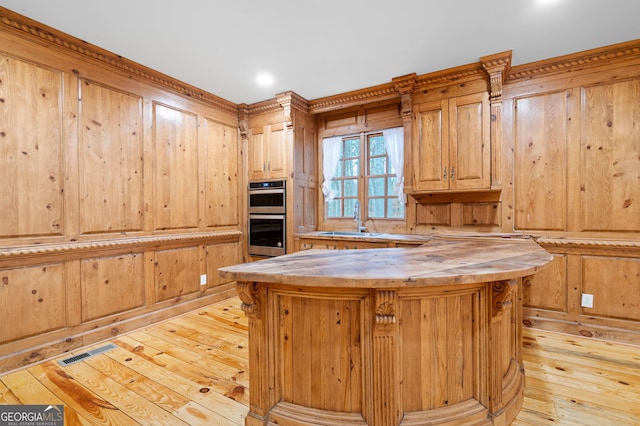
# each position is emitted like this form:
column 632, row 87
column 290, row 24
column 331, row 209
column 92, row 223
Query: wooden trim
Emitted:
column 42, row 34
column 378, row 93
column 82, row 249
column 620, row 52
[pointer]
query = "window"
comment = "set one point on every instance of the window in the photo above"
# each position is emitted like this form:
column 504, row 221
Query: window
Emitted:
column 364, row 172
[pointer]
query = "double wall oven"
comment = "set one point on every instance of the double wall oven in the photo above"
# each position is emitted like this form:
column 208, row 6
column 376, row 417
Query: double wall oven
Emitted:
column 267, row 218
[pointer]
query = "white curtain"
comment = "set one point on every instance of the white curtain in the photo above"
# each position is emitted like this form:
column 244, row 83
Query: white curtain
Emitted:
column 394, row 144
column 331, row 152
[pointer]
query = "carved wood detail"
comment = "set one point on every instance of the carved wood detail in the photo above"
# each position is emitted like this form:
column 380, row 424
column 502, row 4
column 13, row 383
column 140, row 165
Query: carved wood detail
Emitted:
column 243, row 121
column 605, row 55
column 289, row 100
column 502, row 295
column 404, row 85
column 376, row 93
column 385, row 308
column 35, row 30
column 497, row 66
column 449, row 76
column 249, row 294
column 154, row 240
column 569, row 242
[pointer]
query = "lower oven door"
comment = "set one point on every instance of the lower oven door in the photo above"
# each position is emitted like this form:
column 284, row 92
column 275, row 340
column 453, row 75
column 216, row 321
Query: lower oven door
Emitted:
column 267, row 234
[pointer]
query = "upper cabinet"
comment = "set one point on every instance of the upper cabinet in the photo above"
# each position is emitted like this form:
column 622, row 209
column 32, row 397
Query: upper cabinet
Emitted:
column 268, row 152
column 451, row 144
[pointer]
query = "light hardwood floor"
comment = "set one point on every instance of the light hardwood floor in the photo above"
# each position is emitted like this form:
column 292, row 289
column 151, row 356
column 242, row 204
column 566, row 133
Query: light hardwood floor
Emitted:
column 192, row 370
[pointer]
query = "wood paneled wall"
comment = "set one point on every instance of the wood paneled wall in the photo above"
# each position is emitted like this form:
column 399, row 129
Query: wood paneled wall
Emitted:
column 565, row 170
column 119, row 194
column 572, row 124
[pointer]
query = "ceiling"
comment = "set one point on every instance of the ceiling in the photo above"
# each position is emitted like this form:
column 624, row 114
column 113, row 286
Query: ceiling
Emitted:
column 322, row 48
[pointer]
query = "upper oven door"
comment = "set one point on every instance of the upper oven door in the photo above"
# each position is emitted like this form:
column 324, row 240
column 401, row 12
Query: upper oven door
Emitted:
column 267, row 199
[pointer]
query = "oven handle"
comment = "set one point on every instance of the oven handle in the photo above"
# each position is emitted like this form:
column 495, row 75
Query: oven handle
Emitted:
column 266, row 216
column 266, row 191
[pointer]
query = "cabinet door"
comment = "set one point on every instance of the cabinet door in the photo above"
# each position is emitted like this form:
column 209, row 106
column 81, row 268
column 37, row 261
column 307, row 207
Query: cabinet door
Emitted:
column 430, row 159
column 257, row 160
column 276, row 156
column 268, row 152
column 469, row 139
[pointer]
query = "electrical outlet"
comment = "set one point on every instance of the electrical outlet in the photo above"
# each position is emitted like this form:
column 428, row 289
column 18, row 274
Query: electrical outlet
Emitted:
column 587, row 300
column 203, row 279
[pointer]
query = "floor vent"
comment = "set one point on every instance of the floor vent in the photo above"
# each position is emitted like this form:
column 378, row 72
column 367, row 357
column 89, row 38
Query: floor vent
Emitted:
column 85, row 355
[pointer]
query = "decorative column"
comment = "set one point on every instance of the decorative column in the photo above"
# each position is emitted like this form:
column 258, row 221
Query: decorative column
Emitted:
column 252, row 297
column 386, row 382
column 507, row 375
column 497, row 66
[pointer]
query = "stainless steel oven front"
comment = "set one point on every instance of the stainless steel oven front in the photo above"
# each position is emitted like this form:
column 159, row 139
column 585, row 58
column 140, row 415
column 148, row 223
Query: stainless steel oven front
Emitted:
column 267, row 234
column 267, row 218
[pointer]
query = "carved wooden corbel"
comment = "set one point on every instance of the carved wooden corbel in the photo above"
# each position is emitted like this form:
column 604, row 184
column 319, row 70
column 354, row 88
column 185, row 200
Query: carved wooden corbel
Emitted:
column 284, row 99
column 243, row 121
column 385, row 308
column 249, row 294
column 497, row 66
column 404, row 85
column 503, row 295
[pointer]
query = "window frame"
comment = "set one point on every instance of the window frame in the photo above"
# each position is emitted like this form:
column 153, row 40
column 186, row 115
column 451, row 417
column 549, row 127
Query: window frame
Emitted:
column 381, row 223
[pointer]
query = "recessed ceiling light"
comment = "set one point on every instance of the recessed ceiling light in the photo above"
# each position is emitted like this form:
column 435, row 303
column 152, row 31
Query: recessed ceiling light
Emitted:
column 264, row 79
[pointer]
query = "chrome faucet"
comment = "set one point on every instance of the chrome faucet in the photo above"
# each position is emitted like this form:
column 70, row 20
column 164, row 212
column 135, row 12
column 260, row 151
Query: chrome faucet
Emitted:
column 356, row 216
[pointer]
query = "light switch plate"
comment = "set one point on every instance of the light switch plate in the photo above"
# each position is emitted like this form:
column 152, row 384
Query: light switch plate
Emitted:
column 587, row 300
column 203, row 279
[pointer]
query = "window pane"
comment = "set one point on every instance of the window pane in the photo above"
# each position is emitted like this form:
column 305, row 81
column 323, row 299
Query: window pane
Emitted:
column 377, row 166
column 376, row 187
column 351, row 188
column 349, row 207
column 391, row 185
column 376, row 146
column 334, row 207
column 395, row 209
column 339, row 168
column 352, row 148
column 352, row 167
column 336, row 187
column 376, row 207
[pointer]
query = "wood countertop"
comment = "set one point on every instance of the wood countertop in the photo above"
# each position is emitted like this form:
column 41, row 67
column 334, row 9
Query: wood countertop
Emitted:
column 439, row 261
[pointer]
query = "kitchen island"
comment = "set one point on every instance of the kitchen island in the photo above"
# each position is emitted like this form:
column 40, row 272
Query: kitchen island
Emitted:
column 411, row 336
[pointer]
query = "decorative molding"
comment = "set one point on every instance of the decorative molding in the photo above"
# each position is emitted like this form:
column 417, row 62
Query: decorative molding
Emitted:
column 125, row 243
column 576, row 61
column 450, row 76
column 373, row 94
column 575, row 242
column 249, row 294
column 404, row 85
column 497, row 66
column 502, row 295
column 287, row 100
column 243, row 121
column 264, row 106
column 33, row 30
column 385, row 307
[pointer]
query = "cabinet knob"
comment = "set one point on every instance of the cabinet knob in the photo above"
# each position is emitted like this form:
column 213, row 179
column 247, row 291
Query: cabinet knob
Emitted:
column 453, row 173
column 444, row 175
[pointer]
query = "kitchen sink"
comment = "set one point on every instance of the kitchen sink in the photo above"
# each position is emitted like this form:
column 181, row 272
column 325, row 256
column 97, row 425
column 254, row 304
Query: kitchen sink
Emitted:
column 349, row 234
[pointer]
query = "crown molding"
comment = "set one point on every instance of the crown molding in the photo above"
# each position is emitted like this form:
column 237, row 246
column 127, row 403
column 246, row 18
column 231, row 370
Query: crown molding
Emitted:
column 29, row 29
column 377, row 93
column 450, row 76
column 576, row 61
